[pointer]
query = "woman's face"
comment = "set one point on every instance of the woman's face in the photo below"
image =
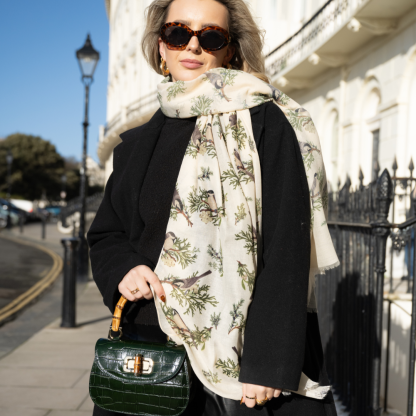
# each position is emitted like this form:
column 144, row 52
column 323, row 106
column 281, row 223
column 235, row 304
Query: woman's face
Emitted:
column 196, row 14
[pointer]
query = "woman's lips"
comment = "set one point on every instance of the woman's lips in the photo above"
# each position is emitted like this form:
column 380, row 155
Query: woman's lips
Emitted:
column 191, row 64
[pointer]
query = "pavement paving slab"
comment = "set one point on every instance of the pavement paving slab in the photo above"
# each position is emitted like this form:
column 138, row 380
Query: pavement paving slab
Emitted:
column 49, row 373
column 45, row 308
column 45, row 368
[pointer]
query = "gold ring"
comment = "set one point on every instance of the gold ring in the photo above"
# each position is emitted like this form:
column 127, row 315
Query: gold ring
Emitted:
column 262, row 402
column 251, row 397
column 133, row 292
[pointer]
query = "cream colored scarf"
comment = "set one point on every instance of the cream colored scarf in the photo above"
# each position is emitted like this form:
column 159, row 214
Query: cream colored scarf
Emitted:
column 208, row 264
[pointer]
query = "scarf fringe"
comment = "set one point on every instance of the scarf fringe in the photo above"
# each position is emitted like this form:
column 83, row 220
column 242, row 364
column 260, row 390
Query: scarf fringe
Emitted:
column 312, row 389
column 322, row 270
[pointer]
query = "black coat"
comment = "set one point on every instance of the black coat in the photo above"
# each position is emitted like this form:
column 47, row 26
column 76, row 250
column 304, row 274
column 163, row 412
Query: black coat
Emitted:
column 281, row 338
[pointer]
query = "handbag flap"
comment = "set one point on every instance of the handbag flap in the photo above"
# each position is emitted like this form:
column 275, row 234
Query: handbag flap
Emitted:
column 166, row 361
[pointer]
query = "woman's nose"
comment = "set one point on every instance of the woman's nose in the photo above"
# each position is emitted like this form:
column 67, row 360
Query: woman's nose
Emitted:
column 193, row 44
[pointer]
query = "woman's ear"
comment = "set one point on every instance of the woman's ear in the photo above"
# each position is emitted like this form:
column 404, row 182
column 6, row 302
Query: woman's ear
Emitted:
column 230, row 52
column 161, row 48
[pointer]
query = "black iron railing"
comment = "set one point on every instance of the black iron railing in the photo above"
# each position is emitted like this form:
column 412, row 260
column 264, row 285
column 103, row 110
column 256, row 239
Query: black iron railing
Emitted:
column 350, row 297
column 74, row 205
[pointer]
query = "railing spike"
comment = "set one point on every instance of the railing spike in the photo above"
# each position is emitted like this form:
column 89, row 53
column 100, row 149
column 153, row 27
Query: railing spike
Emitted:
column 377, row 167
column 394, row 167
column 348, row 181
column 384, row 195
column 411, row 166
column 361, row 179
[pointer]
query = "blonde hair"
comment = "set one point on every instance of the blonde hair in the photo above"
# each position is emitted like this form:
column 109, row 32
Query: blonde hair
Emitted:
column 246, row 36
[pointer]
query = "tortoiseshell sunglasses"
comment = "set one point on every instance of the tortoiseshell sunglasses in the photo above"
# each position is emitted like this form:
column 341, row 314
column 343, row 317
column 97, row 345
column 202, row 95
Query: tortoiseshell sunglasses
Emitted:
column 177, row 35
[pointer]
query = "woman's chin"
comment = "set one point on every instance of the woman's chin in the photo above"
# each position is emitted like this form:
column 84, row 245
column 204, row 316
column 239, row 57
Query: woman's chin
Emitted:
column 189, row 74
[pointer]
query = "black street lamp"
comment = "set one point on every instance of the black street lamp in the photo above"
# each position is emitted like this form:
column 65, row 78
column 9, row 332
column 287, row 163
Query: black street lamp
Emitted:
column 88, row 58
column 9, row 159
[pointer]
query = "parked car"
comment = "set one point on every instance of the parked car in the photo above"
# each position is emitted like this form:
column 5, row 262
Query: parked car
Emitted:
column 3, row 218
column 55, row 210
column 14, row 218
column 27, row 207
column 6, row 205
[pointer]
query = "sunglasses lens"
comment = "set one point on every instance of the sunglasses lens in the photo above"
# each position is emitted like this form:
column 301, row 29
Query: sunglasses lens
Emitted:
column 212, row 39
column 176, row 35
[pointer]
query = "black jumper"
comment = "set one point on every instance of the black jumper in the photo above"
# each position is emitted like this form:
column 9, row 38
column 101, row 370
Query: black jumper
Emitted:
column 281, row 338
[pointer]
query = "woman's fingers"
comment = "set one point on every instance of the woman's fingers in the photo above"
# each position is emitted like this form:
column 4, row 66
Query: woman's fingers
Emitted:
column 127, row 285
column 142, row 285
column 258, row 392
column 270, row 393
column 277, row 392
column 138, row 278
column 253, row 393
column 154, row 281
column 124, row 290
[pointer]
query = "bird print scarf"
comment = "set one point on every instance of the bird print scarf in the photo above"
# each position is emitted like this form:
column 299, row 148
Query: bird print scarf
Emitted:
column 208, row 263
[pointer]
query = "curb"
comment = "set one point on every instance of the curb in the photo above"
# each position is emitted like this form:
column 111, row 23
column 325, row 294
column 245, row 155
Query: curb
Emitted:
column 22, row 300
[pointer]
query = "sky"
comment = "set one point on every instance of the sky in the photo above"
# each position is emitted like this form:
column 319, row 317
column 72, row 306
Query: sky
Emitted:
column 41, row 92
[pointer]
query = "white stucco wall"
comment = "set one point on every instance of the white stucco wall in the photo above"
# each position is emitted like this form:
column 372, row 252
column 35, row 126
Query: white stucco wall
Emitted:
column 375, row 88
column 130, row 78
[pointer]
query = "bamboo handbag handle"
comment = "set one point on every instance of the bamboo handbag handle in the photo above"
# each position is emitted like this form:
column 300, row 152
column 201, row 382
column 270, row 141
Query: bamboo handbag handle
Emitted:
column 115, row 330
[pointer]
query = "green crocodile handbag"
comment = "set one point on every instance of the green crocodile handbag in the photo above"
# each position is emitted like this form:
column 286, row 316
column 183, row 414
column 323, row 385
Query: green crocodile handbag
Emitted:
column 137, row 377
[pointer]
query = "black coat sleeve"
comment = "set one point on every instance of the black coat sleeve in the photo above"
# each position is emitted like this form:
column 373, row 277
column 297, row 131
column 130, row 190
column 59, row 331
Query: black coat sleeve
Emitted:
column 111, row 253
column 275, row 334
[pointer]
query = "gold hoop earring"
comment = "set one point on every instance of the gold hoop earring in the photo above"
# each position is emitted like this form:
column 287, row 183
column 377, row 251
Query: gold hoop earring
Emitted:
column 164, row 67
column 228, row 66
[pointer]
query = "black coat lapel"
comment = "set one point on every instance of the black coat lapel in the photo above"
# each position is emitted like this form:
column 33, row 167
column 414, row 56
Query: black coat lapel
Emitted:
column 131, row 160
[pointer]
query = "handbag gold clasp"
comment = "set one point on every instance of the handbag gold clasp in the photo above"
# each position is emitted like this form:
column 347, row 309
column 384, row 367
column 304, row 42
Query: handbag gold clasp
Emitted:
column 138, row 365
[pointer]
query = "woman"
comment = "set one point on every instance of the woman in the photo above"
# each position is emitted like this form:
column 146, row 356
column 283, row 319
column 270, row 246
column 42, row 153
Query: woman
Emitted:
column 208, row 212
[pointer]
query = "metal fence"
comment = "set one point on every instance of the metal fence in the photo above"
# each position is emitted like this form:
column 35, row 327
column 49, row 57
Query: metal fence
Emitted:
column 350, row 297
column 74, row 205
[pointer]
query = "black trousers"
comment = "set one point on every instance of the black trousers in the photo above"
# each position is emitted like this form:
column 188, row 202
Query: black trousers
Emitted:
column 206, row 403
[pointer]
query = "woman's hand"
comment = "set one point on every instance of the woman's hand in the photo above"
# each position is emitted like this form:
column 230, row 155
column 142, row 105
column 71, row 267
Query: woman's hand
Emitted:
column 260, row 392
column 139, row 278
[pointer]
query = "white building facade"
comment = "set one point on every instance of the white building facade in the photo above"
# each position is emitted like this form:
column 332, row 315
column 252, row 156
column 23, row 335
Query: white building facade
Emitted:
column 350, row 63
column 131, row 94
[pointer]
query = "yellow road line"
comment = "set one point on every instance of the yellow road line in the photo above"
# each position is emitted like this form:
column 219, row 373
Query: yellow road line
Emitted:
column 36, row 289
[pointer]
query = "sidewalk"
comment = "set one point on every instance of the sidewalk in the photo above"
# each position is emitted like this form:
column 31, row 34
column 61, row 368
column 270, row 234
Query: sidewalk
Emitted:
column 33, row 232
column 48, row 375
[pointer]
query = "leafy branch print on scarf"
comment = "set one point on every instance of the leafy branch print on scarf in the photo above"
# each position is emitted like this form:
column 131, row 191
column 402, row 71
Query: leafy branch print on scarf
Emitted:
column 247, row 277
column 250, row 238
column 228, row 367
column 177, row 88
column 179, row 207
column 201, row 142
column 208, row 263
column 238, row 321
column 216, row 257
column 177, row 250
column 196, row 337
column 204, row 201
column 213, row 377
column 189, row 294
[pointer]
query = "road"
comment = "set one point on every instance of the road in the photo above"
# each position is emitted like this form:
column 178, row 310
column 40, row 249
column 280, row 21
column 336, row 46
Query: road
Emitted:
column 21, row 267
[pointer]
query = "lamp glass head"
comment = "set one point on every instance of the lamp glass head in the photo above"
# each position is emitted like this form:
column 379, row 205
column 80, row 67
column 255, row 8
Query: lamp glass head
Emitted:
column 87, row 58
